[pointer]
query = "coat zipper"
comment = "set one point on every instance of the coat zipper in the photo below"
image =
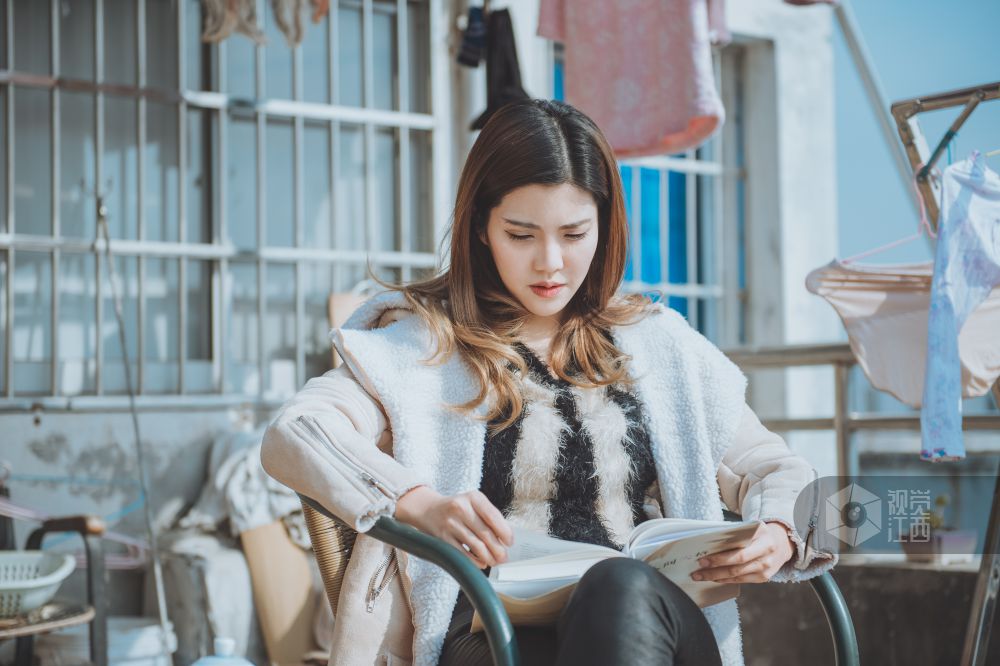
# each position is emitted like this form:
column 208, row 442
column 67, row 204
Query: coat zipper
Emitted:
column 390, row 567
column 359, row 478
column 366, row 475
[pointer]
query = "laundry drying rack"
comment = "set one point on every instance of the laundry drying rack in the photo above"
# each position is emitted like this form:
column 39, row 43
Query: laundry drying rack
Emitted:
column 922, row 161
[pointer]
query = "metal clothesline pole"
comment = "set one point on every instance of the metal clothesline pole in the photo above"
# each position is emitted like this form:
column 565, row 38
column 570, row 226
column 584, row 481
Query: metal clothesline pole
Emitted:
column 876, row 94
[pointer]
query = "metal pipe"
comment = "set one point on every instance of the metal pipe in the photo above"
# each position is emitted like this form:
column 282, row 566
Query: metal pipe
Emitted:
column 405, row 218
column 182, row 213
column 674, row 289
column 865, row 421
column 146, row 403
column 984, row 596
column 140, row 232
column 56, row 139
column 907, row 108
column 681, row 165
column 98, row 181
column 970, row 106
column 791, row 355
column 664, row 225
column 222, row 101
column 168, row 250
column 845, row 458
column 635, row 226
column 691, row 238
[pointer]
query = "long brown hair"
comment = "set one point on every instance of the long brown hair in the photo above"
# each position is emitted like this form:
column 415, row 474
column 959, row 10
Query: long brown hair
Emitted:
column 468, row 308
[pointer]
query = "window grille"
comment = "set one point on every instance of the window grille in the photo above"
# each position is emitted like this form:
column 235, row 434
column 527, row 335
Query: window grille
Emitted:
column 244, row 183
column 686, row 224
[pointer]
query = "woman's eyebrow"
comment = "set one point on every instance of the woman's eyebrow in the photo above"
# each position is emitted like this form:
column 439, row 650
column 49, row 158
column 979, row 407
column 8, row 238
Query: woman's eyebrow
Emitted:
column 532, row 225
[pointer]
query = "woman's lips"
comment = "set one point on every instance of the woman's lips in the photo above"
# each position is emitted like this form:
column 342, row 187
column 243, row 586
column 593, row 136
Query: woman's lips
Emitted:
column 547, row 292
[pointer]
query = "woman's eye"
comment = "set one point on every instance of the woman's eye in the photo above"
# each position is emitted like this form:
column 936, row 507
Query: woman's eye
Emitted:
column 576, row 237
column 518, row 237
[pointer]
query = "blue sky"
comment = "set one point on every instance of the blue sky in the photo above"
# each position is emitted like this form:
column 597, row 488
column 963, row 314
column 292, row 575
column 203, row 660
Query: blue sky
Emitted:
column 918, row 47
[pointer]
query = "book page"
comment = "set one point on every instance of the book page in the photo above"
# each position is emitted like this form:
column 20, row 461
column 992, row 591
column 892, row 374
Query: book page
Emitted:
column 677, row 560
column 652, row 542
column 529, row 544
column 662, row 530
column 560, row 565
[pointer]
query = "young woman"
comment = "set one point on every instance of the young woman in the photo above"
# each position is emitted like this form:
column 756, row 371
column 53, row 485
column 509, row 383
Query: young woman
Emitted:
column 517, row 388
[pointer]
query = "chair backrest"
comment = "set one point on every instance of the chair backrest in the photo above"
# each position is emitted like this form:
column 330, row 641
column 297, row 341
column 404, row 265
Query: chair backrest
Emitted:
column 333, row 543
column 339, row 307
column 333, row 540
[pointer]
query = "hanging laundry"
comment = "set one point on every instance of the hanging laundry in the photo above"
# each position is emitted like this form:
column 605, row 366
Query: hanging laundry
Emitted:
column 718, row 30
column 503, row 73
column 884, row 310
column 470, row 51
column 642, row 70
column 966, row 271
column 288, row 19
column 320, row 9
column 223, row 17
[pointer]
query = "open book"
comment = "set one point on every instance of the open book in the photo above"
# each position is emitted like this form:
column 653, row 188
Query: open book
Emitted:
column 541, row 571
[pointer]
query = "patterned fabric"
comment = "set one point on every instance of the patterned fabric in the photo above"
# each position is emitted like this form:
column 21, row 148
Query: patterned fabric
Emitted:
column 966, row 269
column 576, row 464
column 884, row 310
column 641, row 69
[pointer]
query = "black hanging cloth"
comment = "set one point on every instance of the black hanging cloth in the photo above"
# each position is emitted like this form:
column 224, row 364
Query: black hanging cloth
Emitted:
column 503, row 74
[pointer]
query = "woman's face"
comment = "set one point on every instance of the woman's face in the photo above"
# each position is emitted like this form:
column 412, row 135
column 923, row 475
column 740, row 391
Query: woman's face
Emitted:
column 543, row 239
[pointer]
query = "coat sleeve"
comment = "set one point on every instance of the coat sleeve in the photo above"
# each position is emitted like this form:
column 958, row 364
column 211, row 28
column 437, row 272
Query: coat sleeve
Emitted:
column 331, row 442
column 760, row 478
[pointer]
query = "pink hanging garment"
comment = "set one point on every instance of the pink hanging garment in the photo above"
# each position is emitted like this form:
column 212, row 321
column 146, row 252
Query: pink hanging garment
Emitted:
column 641, row 69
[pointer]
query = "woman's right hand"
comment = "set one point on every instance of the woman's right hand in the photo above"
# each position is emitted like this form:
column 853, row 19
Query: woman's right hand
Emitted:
column 468, row 521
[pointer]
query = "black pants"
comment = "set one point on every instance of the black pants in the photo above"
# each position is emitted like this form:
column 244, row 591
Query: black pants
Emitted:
column 622, row 612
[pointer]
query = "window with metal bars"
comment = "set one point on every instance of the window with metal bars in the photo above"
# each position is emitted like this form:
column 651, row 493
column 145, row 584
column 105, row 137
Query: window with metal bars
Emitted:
column 686, row 221
column 244, row 183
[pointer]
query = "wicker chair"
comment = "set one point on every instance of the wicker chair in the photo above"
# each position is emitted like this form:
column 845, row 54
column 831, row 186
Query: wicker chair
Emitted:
column 333, row 542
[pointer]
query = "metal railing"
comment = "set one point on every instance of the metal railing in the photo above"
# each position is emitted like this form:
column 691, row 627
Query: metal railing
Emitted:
column 843, row 422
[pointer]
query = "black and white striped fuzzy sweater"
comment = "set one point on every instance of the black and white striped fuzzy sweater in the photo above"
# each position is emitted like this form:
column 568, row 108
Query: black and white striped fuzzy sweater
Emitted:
column 576, row 464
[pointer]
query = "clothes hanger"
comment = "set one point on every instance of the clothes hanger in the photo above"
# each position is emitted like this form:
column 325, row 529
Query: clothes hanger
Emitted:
column 923, row 225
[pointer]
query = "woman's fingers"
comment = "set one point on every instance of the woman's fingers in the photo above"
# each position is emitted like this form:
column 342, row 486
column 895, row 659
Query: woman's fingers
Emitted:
column 756, row 571
column 493, row 519
column 479, row 529
column 467, row 521
column 729, row 564
column 457, row 544
column 476, row 547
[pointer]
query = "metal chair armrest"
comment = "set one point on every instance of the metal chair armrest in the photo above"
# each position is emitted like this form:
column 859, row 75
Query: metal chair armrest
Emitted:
column 499, row 631
column 845, row 641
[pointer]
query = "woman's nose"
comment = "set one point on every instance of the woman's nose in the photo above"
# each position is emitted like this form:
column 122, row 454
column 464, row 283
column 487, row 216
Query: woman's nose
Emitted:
column 549, row 258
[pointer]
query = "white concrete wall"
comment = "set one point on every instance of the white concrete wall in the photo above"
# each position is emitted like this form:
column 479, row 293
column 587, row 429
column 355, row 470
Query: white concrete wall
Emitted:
column 100, row 447
column 791, row 200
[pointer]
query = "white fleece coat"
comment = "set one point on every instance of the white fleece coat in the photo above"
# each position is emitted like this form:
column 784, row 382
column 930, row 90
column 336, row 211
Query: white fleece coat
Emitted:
column 693, row 396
